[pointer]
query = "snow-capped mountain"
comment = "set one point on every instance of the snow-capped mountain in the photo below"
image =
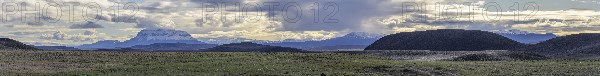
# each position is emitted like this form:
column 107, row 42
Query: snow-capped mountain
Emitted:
column 524, row 36
column 146, row 37
column 161, row 34
column 151, row 36
column 354, row 38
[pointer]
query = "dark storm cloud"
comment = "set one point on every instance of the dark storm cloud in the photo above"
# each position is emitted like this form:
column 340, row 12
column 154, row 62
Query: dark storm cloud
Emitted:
column 86, row 25
column 35, row 23
column 450, row 23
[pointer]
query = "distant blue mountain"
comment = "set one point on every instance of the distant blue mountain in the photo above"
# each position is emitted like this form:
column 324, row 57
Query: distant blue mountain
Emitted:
column 354, row 38
column 226, row 40
column 525, row 37
column 146, row 37
column 251, row 47
column 106, row 44
column 55, row 48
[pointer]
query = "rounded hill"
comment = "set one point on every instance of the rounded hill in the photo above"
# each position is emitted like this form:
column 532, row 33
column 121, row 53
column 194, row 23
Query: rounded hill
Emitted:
column 577, row 44
column 445, row 40
column 6, row 43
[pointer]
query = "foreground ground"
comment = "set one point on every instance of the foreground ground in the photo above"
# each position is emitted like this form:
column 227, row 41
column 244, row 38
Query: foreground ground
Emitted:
column 238, row 63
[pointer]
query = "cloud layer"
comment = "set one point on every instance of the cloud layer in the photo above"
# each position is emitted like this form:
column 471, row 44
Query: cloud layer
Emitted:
column 94, row 20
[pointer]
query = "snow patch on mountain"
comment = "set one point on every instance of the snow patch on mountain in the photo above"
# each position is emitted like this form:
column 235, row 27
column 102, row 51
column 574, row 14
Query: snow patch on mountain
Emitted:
column 162, row 34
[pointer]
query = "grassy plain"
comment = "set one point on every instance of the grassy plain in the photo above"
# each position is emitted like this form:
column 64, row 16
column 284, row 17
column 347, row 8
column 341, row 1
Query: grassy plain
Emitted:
column 254, row 63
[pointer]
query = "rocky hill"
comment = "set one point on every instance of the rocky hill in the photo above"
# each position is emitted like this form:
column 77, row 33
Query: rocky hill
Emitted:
column 6, row 43
column 251, row 47
column 446, row 40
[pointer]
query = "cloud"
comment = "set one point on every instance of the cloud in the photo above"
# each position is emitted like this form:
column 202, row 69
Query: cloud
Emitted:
column 35, row 23
column 87, row 25
column 271, row 35
column 87, row 36
column 89, row 32
column 44, row 43
column 22, row 33
column 55, row 36
column 155, row 23
column 376, row 16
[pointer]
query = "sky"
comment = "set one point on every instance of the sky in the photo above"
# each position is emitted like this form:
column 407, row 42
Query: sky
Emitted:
column 76, row 22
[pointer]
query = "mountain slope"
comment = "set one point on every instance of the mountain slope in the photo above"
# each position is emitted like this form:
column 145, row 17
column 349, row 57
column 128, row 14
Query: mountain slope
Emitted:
column 445, row 40
column 355, row 38
column 525, row 37
column 577, row 44
column 251, row 47
column 6, row 43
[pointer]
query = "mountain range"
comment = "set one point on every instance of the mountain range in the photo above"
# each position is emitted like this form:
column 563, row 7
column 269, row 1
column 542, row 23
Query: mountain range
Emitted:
column 150, row 39
column 524, row 36
column 226, row 40
column 251, row 47
column 585, row 45
column 354, row 40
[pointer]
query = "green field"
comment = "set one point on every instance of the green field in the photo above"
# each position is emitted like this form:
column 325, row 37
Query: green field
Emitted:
column 250, row 63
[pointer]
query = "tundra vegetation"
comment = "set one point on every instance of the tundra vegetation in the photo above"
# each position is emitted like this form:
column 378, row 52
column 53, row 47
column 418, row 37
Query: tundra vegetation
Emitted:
column 20, row 62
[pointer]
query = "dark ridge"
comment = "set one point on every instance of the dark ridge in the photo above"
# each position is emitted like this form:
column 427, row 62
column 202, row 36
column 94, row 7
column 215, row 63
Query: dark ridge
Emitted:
column 446, row 40
column 338, row 47
column 55, row 48
column 585, row 43
column 173, row 47
column 251, row 47
column 500, row 57
column 6, row 43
